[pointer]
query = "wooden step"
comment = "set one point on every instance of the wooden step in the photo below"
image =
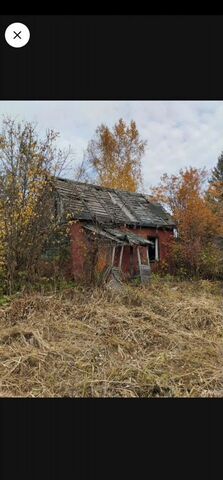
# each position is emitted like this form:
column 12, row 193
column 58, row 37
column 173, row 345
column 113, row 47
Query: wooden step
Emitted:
column 145, row 273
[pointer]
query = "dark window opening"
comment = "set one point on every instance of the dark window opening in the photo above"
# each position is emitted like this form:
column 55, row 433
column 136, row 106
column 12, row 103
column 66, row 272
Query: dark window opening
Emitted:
column 153, row 249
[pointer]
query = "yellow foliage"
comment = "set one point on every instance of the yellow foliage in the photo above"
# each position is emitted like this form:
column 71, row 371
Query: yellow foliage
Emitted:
column 115, row 156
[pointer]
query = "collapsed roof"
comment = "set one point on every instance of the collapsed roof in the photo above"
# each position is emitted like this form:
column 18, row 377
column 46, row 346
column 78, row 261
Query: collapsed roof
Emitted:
column 93, row 203
column 117, row 236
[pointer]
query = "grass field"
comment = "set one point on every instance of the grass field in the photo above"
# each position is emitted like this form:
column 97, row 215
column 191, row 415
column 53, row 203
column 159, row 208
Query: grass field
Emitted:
column 161, row 341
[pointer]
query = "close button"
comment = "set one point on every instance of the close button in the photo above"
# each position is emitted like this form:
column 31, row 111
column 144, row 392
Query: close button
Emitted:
column 17, row 35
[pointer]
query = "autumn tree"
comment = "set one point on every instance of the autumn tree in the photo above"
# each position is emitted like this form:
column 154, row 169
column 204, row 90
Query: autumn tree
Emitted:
column 113, row 156
column 184, row 196
column 27, row 167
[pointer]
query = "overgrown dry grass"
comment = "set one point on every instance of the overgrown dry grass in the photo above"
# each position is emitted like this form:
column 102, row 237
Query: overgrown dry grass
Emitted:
column 165, row 340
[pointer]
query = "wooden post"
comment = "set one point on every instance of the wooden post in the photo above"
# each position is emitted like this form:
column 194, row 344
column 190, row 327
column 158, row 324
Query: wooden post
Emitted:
column 120, row 258
column 139, row 258
column 147, row 254
column 147, row 250
column 113, row 256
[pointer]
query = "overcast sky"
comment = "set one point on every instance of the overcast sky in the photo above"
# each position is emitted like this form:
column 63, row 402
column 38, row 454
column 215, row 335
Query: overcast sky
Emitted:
column 178, row 133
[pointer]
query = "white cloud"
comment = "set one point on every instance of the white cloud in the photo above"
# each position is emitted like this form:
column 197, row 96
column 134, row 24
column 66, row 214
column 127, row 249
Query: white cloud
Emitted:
column 179, row 133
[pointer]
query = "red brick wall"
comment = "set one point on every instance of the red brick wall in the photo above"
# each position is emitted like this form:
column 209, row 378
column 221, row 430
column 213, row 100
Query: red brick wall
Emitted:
column 80, row 248
column 164, row 241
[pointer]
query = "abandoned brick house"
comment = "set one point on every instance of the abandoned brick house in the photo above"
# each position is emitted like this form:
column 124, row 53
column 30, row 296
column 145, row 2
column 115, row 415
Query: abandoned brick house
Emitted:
column 113, row 229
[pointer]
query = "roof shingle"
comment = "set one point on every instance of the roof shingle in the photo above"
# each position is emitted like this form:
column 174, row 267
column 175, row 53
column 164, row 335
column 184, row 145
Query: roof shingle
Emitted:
column 108, row 206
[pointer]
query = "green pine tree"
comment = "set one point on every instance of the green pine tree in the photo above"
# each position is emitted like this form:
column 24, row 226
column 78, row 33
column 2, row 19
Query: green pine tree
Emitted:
column 217, row 172
column 215, row 191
